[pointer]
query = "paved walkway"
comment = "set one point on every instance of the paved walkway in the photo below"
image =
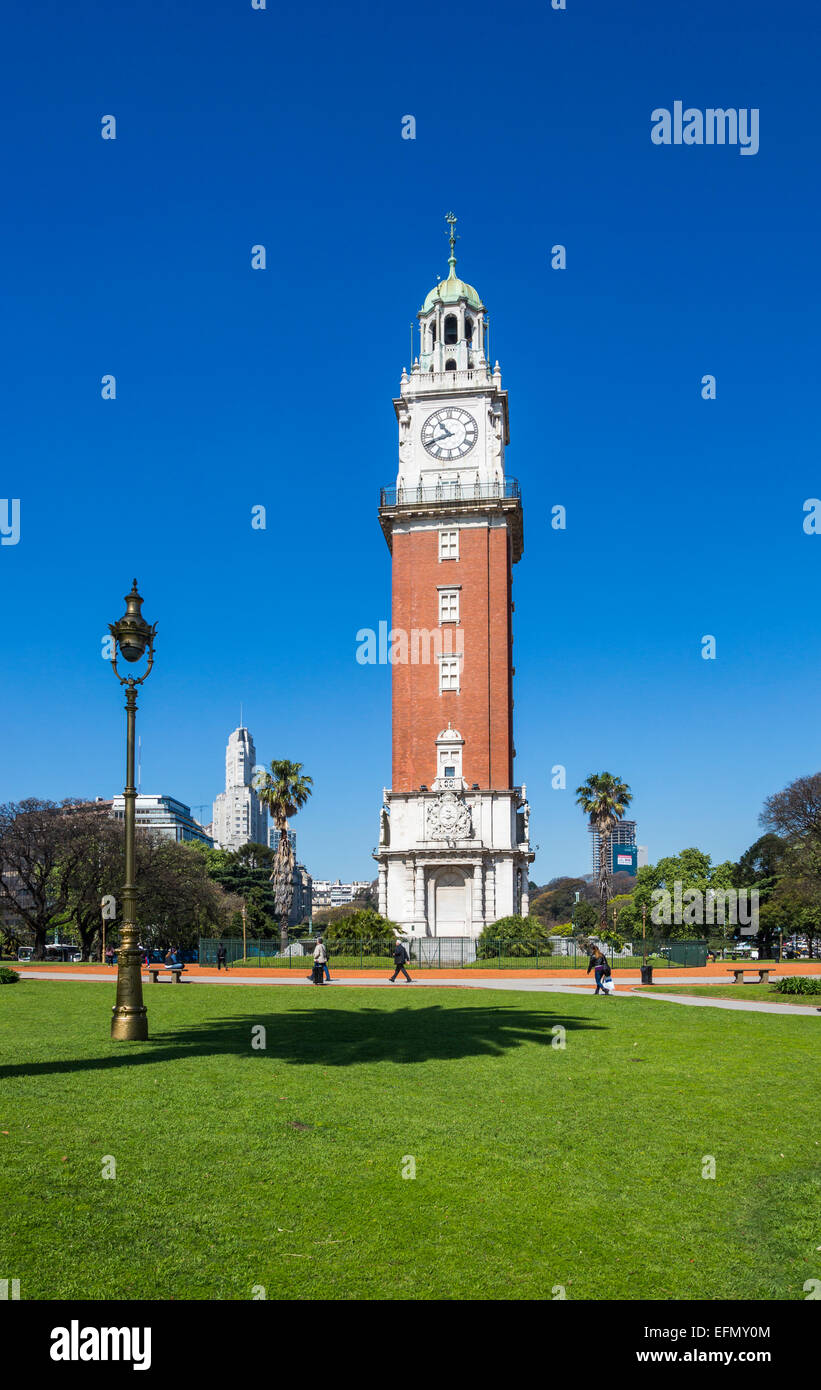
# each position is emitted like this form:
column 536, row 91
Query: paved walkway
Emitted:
column 528, row 985
column 750, row 1005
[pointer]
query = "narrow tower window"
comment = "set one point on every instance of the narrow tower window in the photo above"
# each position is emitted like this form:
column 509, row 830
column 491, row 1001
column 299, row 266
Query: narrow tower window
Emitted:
column 448, row 545
column 448, row 605
column 449, row 674
column 451, row 330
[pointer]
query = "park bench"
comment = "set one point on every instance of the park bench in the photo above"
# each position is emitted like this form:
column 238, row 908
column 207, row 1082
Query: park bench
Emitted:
column 172, row 972
column 737, row 971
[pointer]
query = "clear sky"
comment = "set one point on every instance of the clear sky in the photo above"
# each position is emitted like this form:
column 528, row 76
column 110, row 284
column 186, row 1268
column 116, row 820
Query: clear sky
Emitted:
column 237, row 388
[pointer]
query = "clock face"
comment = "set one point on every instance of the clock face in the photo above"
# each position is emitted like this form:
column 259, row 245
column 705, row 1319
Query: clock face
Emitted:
column 450, row 433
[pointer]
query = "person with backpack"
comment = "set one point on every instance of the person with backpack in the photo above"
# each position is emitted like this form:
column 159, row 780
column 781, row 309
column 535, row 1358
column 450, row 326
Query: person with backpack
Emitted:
column 600, row 966
column 400, row 957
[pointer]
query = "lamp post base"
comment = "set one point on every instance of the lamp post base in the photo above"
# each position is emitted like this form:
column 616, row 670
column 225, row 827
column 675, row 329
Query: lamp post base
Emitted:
column 129, row 1024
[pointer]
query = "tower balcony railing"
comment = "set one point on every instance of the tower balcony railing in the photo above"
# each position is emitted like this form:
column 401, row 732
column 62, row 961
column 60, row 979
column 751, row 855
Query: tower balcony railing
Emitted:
column 427, row 380
column 506, row 490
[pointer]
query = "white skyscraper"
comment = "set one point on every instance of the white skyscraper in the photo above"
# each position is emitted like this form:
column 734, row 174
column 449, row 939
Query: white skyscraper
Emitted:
column 238, row 815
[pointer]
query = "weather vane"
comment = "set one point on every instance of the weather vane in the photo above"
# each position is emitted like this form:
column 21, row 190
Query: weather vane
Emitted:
column 453, row 236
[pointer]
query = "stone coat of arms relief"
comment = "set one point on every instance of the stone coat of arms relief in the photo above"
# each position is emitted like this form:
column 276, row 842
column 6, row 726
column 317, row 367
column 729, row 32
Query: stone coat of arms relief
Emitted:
column 448, row 818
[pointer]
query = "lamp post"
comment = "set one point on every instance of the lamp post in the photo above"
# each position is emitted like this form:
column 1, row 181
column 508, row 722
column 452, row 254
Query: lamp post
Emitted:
column 132, row 636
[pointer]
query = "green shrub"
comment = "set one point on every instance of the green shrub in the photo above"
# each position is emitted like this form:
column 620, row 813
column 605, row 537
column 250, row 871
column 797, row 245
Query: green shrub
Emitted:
column 799, row 984
column 514, row 936
column 360, row 931
column 8, row 977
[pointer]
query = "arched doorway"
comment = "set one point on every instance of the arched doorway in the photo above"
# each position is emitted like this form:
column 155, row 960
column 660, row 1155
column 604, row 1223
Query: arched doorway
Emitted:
column 450, row 916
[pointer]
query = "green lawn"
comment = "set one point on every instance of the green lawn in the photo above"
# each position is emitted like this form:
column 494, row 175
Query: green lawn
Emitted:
column 536, row 1166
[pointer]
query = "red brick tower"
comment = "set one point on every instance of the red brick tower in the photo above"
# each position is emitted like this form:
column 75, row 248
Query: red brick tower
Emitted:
column 454, row 848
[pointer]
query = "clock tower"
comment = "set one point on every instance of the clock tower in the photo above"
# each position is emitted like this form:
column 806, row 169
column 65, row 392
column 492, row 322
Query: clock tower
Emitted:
column 454, row 845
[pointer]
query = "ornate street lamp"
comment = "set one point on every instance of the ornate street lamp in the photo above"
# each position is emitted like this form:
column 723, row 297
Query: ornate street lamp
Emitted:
column 132, row 636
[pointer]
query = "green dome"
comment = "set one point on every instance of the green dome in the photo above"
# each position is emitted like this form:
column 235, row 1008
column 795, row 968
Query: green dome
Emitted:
column 450, row 291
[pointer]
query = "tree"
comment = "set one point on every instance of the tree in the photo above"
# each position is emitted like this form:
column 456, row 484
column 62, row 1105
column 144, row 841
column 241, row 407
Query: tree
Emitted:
column 760, row 865
column 795, row 902
column 97, row 870
column 59, row 860
column 795, row 812
column 604, row 799
column 514, row 936
column 324, row 916
column 555, row 902
column 40, row 852
column 585, row 917
column 693, row 869
column 794, row 907
column 361, row 930
column 759, row 868
column 255, row 856
column 177, row 901
column 234, row 872
column 284, row 790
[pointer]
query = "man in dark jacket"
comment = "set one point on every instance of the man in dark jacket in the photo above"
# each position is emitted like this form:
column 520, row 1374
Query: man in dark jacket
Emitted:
column 400, row 956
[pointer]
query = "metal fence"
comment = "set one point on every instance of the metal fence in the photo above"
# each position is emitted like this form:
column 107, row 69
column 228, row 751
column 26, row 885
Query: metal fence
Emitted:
column 455, row 953
column 456, row 491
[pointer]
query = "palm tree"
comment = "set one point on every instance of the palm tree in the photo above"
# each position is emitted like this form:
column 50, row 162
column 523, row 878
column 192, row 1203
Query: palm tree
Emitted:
column 604, row 799
column 284, row 790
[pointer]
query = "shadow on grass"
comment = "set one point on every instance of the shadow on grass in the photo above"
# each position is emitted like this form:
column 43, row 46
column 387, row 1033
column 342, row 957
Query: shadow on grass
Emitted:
column 336, row 1037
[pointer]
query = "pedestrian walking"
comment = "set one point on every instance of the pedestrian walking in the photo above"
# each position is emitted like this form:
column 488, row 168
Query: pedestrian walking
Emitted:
column 400, row 957
column 222, row 958
column 600, row 966
column 320, row 969
column 325, row 966
column 109, row 955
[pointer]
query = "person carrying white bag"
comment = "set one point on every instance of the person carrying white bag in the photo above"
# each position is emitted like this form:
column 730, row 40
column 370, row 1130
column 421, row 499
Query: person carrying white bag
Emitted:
column 600, row 966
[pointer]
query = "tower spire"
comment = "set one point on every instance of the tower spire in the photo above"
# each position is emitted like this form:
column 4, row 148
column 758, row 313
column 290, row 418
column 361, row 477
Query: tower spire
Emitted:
column 452, row 257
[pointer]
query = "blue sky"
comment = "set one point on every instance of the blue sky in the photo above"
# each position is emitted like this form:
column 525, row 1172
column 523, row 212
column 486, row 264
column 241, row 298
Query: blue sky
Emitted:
column 237, row 388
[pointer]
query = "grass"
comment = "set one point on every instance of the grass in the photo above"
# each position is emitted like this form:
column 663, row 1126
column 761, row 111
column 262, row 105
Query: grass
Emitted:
column 764, row 994
column 535, row 1166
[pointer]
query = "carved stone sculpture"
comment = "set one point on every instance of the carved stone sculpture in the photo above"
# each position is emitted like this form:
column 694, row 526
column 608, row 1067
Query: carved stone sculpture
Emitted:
column 448, row 818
